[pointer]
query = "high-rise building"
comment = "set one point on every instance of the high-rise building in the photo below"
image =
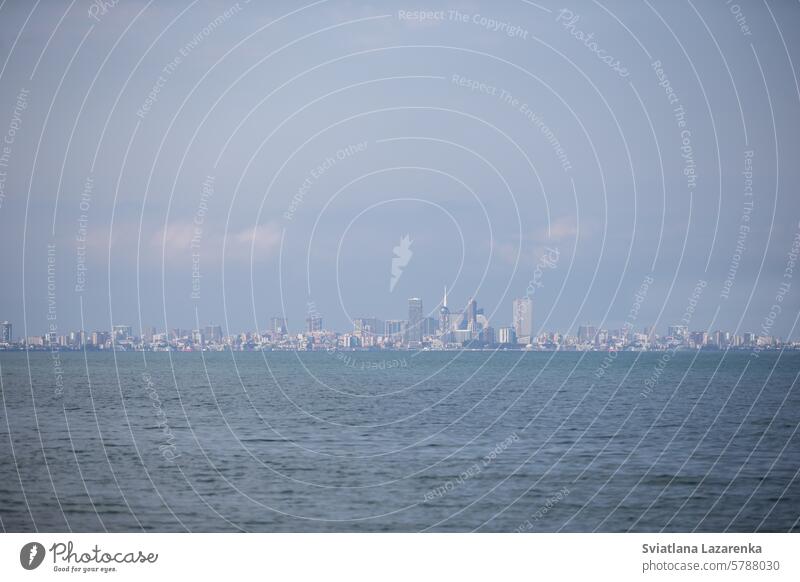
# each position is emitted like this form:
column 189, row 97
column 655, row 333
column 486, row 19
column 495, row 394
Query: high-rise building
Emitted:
column 367, row 327
column 444, row 318
column 99, row 339
column 414, row 329
column 313, row 323
column 178, row 333
column 213, row 333
column 394, row 329
column 6, row 336
column 278, row 326
column 77, row 339
column 587, row 333
column 430, row 326
column 470, row 317
column 699, row 338
column 678, row 332
column 462, row 336
column 506, row 335
column 523, row 319
column 197, row 337
column 121, row 332
column 720, row 338
column 148, row 332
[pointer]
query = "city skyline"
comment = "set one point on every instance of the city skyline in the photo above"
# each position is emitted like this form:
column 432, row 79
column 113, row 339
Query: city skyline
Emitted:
column 552, row 292
column 440, row 328
column 520, row 322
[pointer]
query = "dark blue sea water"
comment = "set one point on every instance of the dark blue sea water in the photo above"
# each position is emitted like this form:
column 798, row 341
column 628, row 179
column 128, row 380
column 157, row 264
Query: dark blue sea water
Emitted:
column 400, row 442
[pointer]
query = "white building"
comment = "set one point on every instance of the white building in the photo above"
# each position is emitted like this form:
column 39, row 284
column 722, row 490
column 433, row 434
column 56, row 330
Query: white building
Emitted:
column 523, row 319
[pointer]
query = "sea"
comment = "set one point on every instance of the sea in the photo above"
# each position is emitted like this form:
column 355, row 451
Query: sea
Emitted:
column 402, row 441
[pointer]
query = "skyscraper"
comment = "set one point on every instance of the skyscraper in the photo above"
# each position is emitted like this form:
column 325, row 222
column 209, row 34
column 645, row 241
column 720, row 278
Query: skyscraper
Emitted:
column 121, row 333
column 469, row 321
column 197, row 337
column 523, row 319
column 278, row 326
column 148, row 332
column 414, row 331
column 213, row 333
column 444, row 318
column 679, row 332
column 506, row 335
column 77, row 338
column 99, row 339
column 5, row 333
column 587, row 333
column 313, row 323
column 368, row 327
column 394, row 329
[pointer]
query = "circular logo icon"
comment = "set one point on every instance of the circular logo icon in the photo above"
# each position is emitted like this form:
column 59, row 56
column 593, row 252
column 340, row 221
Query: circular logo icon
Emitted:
column 31, row 555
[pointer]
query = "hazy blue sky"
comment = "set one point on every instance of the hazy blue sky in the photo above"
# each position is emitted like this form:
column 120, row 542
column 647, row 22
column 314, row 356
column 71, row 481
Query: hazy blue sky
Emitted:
column 487, row 134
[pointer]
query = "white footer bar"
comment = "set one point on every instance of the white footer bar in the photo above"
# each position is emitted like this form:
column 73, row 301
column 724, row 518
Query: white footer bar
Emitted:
column 406, row 557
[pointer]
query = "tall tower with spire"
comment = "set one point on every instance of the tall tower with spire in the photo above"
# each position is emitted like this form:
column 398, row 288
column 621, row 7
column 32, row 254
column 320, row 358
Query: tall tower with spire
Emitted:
column 444, row 318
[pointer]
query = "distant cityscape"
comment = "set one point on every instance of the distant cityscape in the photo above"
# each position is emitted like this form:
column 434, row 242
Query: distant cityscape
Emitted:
column 468, row 328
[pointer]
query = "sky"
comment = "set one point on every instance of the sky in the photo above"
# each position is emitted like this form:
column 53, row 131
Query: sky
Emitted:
column 175, row 164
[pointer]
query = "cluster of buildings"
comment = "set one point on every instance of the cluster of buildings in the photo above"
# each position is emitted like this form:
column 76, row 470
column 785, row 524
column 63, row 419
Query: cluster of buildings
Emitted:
column 443, row 329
